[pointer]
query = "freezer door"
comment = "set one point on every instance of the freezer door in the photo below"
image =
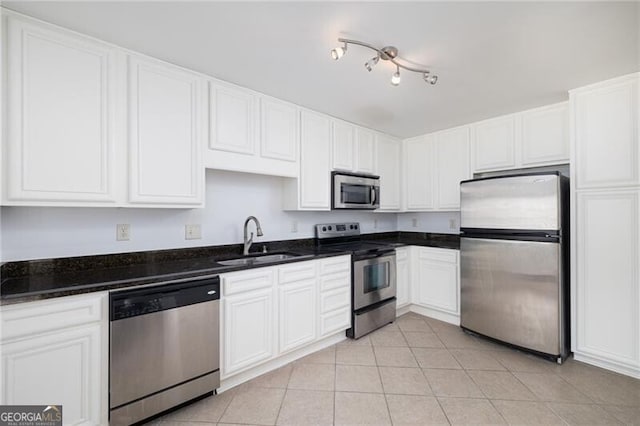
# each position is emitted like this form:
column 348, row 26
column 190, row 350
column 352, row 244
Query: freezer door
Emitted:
column 512, row 291
column 519, row 202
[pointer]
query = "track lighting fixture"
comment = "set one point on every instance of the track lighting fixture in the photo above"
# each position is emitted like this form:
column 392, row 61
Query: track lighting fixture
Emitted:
column 387, row 53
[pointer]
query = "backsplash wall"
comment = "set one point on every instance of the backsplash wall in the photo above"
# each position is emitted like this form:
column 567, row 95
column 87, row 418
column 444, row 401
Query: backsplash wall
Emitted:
column 438, row 222
column 44, row 232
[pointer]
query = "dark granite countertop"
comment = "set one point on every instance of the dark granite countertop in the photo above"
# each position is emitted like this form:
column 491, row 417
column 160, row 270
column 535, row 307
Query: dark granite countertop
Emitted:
column 31, row 280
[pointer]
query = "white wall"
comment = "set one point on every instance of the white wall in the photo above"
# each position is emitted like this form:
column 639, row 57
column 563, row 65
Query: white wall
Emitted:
column 38, row 232
column 438, row 222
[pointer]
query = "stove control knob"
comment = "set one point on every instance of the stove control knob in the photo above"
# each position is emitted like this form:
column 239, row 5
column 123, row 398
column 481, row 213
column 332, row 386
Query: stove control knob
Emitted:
column 324, row 229
column 350, row 226
column 356, row 226
column 329, row 228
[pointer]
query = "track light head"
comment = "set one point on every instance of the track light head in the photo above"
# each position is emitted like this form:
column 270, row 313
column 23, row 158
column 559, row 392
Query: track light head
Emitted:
column 395, row 78
column 371, row 63
column 431, row 79
column 339, row 52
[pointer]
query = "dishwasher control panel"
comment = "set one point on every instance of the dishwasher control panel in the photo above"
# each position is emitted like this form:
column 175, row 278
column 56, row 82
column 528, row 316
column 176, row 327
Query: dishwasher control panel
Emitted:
column 142, row 301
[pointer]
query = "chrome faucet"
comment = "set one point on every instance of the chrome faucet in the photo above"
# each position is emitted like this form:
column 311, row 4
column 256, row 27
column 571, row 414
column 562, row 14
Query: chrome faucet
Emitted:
column 249, row 240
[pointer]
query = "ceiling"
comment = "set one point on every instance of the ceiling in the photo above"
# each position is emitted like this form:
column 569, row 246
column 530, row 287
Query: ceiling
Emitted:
column 492, row 57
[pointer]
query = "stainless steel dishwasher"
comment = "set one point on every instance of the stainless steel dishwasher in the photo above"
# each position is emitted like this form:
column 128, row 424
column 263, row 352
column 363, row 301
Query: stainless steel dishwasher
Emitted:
column 164, row 347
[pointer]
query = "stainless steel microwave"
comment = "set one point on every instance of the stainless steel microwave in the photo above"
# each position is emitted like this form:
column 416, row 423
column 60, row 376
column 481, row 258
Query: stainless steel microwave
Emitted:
column 354, row 191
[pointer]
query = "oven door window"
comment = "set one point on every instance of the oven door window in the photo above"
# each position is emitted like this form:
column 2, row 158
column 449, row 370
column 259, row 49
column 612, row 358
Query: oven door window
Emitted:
column 376, row 277
column 355, row 194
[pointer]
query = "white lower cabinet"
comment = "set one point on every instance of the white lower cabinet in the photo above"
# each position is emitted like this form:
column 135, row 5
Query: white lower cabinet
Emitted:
column 428, row 281
column 402, row 277
column 335, row 295
column 297, row 289
column 268, row 312
column 56, row 352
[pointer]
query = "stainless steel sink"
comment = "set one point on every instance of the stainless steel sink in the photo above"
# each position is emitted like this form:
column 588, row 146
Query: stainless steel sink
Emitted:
column 262, row 259
column 275, row 257
column 237, row 262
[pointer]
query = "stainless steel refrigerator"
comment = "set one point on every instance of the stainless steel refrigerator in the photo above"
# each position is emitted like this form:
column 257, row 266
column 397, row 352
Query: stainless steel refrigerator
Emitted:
column 514, row 261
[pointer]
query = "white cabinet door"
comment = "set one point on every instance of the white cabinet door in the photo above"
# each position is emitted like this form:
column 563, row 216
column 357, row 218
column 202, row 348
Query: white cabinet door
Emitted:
column 315, row 181
column 453, row 166
column 365, row 151
column 63, row 367
column 606, row 134
column 165, row 134
column 279, row 134
column 418, row 168
column 545, row 135
column 389, row 170
column 402, row 277
column 248, row 330
column 232, row 119
column 607, row 276
column 297, row 314
column 343, row 146
column 437, row 279
column 60, row 116
column 494, row 143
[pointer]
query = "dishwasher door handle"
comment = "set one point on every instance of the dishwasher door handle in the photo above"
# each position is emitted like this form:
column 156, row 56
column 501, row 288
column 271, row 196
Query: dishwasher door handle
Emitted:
column 212, row 292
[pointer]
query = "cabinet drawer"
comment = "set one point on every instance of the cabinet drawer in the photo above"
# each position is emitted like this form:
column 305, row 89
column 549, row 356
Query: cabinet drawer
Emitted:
column 42, row 316
column 335, row 281
column 439, row 255
column 335, row 264
column 335, row 321
column 297, row 272
column 335, row 299
column 402, row 253
column 238, row 282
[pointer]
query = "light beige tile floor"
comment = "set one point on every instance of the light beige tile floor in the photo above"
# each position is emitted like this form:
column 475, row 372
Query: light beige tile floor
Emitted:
column 422, row 371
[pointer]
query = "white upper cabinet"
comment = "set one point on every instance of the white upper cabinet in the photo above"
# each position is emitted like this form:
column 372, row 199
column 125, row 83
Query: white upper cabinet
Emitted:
column 494, row 143
column 418, row 168
column 60, row 117
column 311, row 191
column 389, row 157
column 232, row 119
column 343, row 145
column 545, row 135
column 251, row 133
column 279, row 134
column 365, row 156
column 606, row 133
column 536, row 137
column 165, row 134
column 452, row 166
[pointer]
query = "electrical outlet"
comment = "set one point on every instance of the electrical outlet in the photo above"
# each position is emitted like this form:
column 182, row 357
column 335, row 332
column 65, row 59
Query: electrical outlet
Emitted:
column 294, row 226
column 414, row 222
column 452, row 224
column 192, row 232
column 375, row 223
column 123, row 232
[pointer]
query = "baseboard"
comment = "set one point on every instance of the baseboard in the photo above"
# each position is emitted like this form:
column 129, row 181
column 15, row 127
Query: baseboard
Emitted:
column 245, row 376
column 435, row 314
column 403, row 310
column 607, row 365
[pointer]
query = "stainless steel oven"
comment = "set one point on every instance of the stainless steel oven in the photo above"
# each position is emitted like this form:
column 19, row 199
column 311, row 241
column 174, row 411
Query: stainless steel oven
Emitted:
column 374, row 278
column 354, row 191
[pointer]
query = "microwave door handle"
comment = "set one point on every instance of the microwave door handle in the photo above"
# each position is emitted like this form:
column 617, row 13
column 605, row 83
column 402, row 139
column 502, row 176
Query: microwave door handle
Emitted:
column 373, row 195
